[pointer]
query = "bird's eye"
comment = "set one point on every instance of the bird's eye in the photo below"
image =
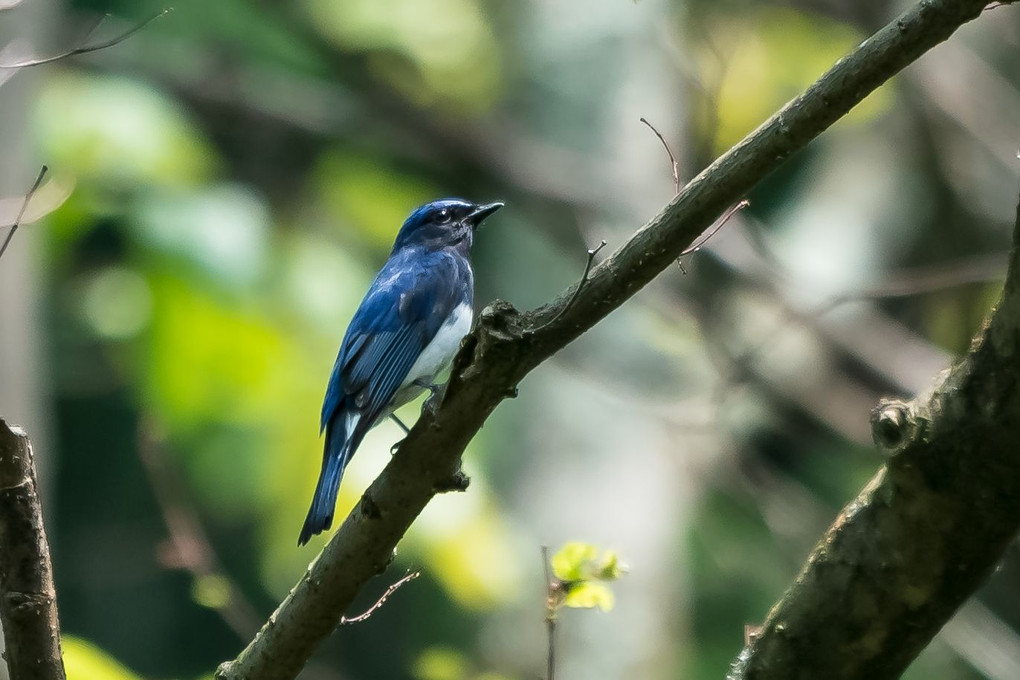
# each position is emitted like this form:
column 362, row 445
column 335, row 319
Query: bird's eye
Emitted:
column 444, row 215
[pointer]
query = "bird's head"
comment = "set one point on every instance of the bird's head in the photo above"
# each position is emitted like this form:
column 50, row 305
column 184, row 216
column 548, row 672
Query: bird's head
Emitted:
column 443, row 223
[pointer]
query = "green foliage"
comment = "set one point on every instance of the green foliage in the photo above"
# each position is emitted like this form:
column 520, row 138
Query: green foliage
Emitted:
column 222, row 230
column 444, row 663
column 441, row 663
column 776, row 53
column 356, row 191
column 582, row 577
column 211, row 590
column 85, row 661
column 471, row 548
column 452, row 60
column 120, row 133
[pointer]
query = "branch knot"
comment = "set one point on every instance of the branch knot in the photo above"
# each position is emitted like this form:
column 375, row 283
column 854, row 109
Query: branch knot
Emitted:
column 499, row 319
column 458, row 481
column 891, row 423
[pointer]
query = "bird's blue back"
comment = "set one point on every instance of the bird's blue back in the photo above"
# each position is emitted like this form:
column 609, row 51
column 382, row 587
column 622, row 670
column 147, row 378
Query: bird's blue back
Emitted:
column 410, row 299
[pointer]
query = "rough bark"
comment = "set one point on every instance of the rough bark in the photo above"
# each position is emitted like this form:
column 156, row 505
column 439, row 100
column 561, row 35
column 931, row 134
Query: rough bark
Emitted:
column 923, row 534
column 28, row 602
column 505, row 344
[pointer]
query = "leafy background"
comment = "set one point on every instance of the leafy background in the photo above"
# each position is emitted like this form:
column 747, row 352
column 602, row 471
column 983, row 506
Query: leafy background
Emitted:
column 226, row 181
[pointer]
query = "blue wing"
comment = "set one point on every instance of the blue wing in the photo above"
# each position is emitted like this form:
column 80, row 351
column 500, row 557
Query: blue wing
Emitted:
column 409, row 300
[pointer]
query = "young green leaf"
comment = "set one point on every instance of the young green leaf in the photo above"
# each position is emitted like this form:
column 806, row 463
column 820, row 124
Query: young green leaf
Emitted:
column 589, row 594
column 572, row 561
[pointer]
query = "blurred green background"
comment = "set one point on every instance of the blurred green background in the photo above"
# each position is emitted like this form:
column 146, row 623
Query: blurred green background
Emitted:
column 224, row 184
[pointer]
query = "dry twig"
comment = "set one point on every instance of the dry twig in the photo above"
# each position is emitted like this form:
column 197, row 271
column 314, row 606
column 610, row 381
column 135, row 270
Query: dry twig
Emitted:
column 550, row 615
column 85, row 49
column 672, row 159
column 24, row 206
column 408, row 577
column 592, row 252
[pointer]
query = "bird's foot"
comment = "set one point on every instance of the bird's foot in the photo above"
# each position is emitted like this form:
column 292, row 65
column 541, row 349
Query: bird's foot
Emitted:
column 431, row 404
column 432, row 387
column 405, row 428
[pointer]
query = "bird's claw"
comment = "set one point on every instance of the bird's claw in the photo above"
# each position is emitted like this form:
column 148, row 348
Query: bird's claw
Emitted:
column 430, row 407
column 431, row 404
column 433, row 388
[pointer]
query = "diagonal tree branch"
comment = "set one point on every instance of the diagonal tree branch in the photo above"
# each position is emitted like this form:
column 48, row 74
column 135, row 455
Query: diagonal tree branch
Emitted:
column 21, row 212
column 505, row 344
column 28, row 601
column 923, row 534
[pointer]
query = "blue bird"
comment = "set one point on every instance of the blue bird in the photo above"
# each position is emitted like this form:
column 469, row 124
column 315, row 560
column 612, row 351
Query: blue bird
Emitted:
column 405, row 332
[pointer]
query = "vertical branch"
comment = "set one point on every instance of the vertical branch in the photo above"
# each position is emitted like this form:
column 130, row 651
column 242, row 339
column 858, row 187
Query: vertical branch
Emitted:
column 28, row 601
column 550, row 614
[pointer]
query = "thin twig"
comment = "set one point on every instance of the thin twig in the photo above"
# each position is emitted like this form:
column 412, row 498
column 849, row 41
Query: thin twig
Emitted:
column 676, row 191
column 550, row 616
column 410, row 576
column 592, row 252
column 931, row 279
column 85, row 49
column 939, row 277
column 24, row 206
column 672, row 158
column 703, row 239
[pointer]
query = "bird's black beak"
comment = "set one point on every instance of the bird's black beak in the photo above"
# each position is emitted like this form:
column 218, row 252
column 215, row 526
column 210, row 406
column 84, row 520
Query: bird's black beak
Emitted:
column 476, row 216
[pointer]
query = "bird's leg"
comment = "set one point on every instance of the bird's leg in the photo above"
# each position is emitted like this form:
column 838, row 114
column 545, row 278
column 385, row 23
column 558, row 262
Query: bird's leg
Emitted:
column 435, row 397
column 398, row 421
column 431, row 404
column 432, row 387
column 405, row 428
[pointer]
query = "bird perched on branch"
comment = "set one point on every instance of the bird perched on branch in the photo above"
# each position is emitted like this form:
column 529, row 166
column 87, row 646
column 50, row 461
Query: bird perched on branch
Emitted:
column 405, row 332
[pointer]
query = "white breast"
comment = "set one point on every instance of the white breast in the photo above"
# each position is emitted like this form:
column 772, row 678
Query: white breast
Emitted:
column 437, row 354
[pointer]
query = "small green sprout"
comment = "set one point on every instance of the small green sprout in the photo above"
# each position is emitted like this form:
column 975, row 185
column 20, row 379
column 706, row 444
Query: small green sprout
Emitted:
column 581, row 577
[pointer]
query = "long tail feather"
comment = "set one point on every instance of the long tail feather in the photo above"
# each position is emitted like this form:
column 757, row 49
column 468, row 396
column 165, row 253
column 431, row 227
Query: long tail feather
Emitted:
column 320, row 515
